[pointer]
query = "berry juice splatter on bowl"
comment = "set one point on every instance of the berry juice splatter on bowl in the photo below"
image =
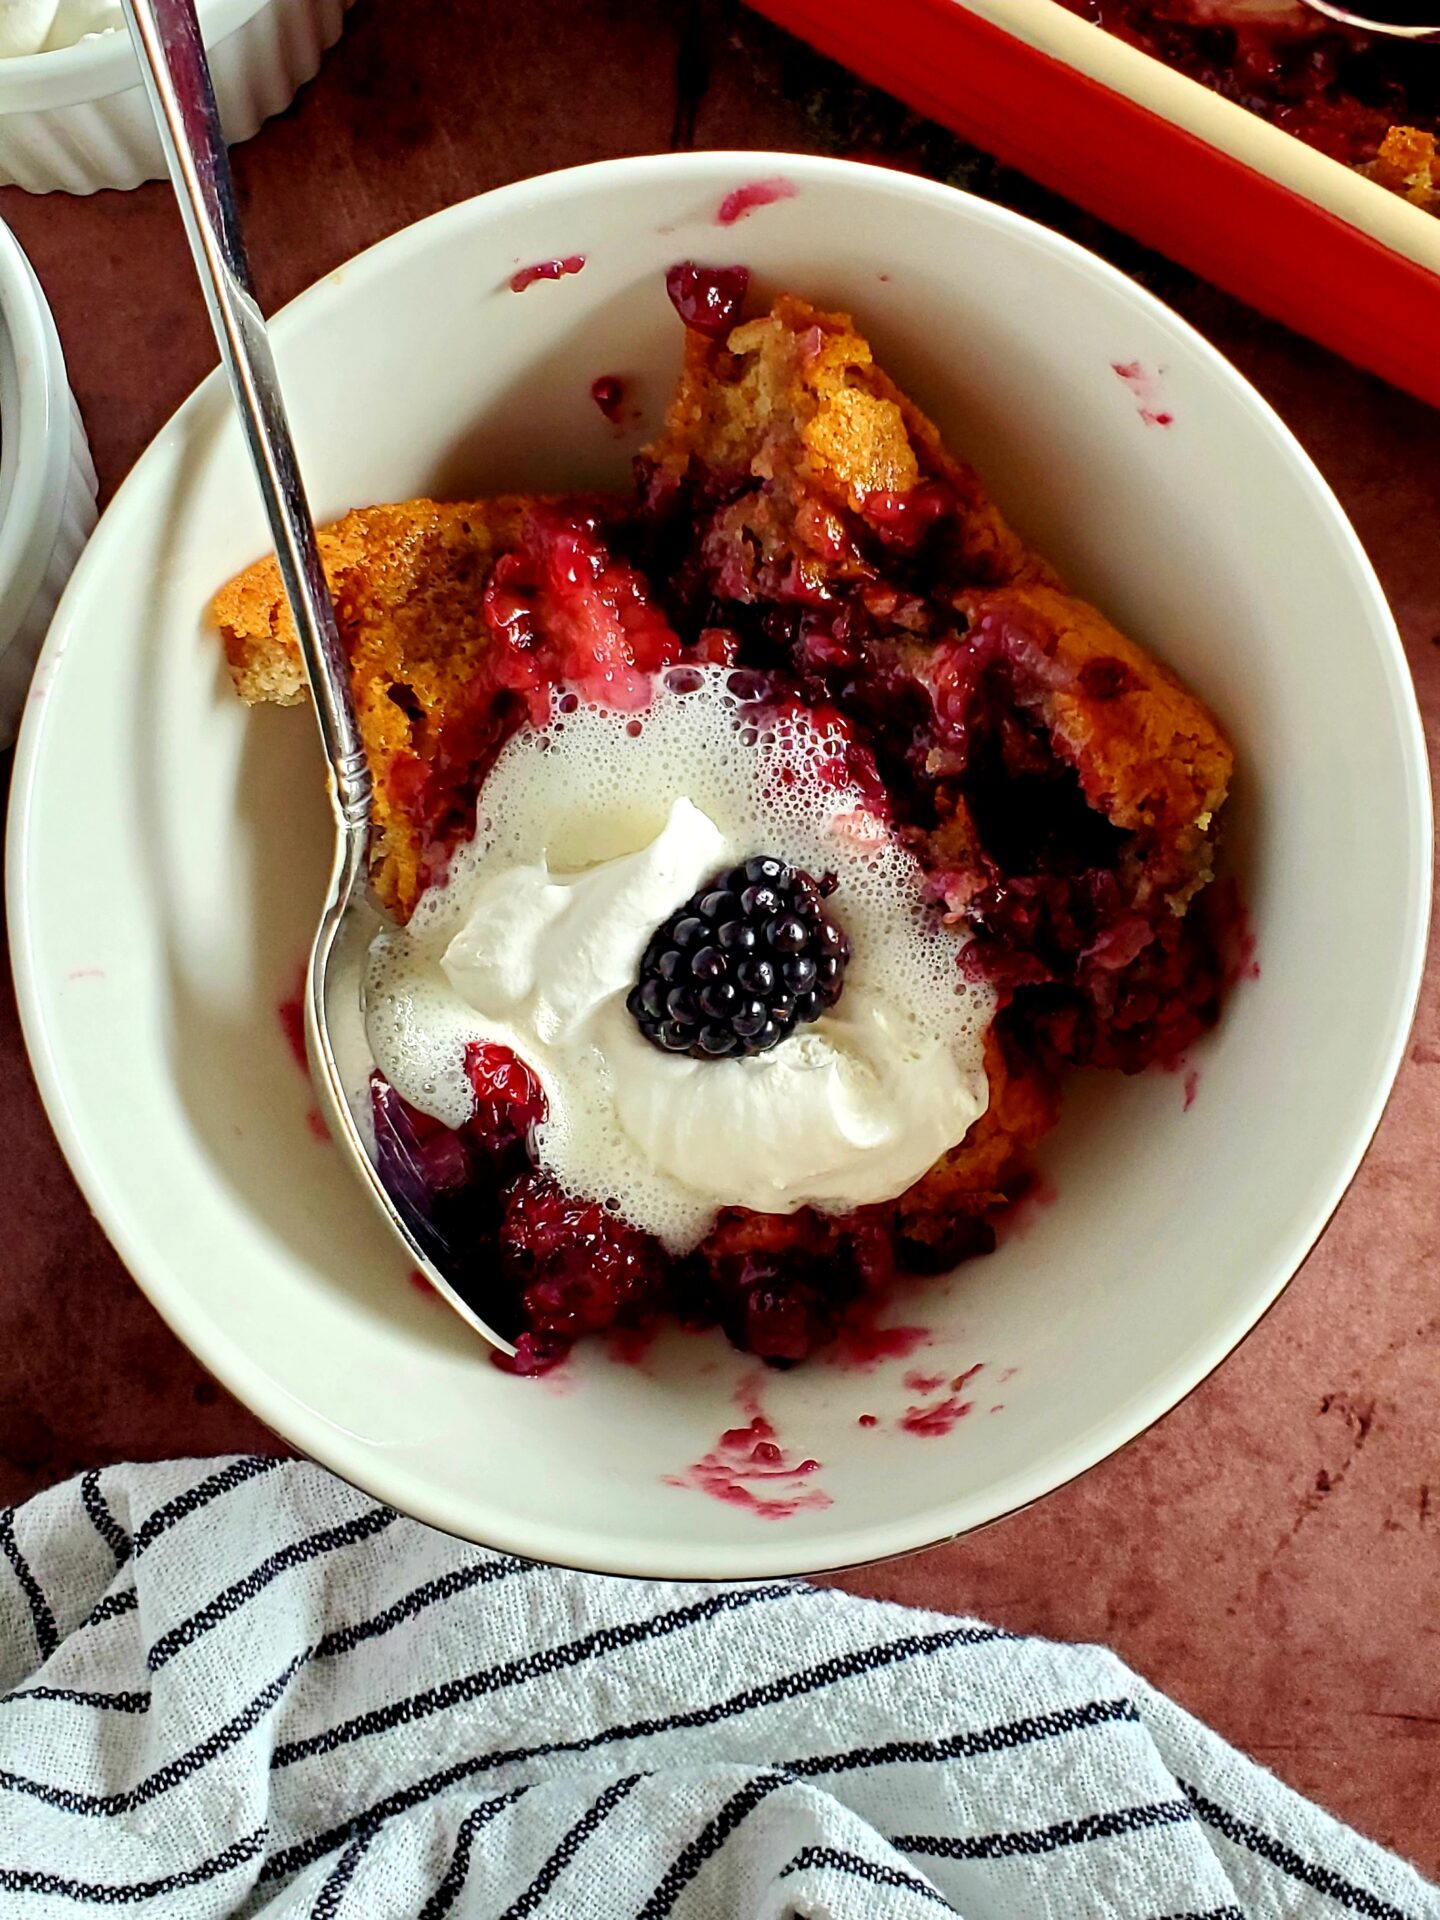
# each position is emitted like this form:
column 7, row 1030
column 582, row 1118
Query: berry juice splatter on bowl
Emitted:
column 763, row 847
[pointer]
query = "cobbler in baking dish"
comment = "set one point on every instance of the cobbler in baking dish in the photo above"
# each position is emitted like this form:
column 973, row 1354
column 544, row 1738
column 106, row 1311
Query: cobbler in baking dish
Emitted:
column 762, row 846
column 1361, row 97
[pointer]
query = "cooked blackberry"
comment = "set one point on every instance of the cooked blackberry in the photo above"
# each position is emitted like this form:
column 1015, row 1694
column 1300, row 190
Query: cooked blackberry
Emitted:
column 750, row 957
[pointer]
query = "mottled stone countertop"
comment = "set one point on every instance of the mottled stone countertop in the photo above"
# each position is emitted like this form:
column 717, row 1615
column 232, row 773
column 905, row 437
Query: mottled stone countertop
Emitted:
column 1269, row 1553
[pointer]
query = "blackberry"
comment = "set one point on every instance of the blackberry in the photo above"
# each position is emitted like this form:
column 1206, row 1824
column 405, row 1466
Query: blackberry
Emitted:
column 743, row 963
column 781, row 1305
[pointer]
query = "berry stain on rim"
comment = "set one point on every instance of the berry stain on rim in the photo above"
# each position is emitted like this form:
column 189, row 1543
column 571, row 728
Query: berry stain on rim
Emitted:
column 1145, row 386
column 755, row 193
column 607, row 390
column 524, row 277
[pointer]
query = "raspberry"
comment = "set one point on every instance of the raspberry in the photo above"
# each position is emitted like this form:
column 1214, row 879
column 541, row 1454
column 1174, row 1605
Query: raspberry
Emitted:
column 565, row 610
column 509, row 1101
column 576, row 1266
column 903, row 520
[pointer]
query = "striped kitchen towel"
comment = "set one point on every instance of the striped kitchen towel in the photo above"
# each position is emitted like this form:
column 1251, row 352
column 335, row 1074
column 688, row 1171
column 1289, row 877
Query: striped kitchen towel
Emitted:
column 241, row 1687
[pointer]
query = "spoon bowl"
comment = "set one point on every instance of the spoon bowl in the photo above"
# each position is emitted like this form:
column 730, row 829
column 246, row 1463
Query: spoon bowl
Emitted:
column 342, row 1066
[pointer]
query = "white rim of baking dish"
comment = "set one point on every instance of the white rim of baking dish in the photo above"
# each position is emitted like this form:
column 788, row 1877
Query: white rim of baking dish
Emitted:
column 100, row 64
column 1116, row 65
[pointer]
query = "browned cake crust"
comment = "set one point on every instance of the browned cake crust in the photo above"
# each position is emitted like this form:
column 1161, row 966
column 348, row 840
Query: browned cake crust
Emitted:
column 795, row 398
column 990, row 1166
column 407, row 582
column 795, row 402
column 1408, row 163
column 1149, row 755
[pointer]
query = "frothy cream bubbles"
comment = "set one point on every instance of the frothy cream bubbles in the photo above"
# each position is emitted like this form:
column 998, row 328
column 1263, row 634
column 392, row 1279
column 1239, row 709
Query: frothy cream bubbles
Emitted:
column 592, row 832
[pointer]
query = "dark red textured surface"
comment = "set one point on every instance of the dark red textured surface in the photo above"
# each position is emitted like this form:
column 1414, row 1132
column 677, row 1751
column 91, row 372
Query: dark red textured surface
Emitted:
column 1268, row 1553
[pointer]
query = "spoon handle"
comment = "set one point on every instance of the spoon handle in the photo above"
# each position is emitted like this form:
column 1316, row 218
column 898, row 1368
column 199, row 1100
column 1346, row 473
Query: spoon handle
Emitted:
column 176, row 72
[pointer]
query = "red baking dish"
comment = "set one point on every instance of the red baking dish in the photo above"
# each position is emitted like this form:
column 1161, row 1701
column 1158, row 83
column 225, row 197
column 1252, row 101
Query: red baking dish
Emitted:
column 1250, row 207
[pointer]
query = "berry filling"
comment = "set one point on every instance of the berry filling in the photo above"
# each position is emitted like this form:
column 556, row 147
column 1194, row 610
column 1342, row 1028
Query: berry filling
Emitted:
column 741, row 964
column 572, row 1267
column 546, row 270
column 974, row 724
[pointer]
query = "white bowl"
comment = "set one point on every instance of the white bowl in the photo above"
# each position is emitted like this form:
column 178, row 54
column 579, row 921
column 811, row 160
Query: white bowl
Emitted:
column 47, row 480
column 168, row 851
column 76, row 119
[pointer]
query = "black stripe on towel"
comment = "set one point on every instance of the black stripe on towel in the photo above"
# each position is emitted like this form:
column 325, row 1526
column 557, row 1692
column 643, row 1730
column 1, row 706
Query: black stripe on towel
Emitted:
column 835, row 1860
column 47, row 1635
column 1320, row 1879
column 131, row 1893
column 968, row 1746
column 530, row 1666
column 449, row 1889
column 101, row 1518
column 708, row 1842
column 71, row 1800
column 1210, row 1913
column 1034, row 1840
column 411, row 1605
column 250, row 1467
column 327, row 1901
column 570, row 1846
column 329, row 1540
column 113, row 1605
column 105, row 1702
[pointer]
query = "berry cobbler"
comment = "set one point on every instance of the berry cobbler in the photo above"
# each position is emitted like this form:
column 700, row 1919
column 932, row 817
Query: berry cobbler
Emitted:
column 1365, row 99
column 761, row 849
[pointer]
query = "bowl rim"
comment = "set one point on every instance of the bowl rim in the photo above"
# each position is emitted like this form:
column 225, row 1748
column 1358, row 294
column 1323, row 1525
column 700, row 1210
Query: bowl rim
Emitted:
column 388, row 1479
column 101, row 64
column 35, row 445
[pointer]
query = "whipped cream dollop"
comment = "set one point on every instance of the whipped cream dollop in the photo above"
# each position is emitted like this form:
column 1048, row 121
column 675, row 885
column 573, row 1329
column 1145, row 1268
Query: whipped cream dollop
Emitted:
column 597, row 829
column 42, row 26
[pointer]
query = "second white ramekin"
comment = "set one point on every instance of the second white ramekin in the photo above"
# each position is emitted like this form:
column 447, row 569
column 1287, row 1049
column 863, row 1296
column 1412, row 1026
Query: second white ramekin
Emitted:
column 47, row 479
column 77, row 120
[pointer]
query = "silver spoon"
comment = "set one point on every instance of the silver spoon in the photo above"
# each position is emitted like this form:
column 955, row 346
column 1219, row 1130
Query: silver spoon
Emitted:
column 1381, row 19
column 177, row 78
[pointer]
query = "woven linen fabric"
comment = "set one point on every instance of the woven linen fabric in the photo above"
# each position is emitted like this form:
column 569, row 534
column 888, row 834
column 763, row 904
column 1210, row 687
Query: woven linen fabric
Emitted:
column 242, row 1687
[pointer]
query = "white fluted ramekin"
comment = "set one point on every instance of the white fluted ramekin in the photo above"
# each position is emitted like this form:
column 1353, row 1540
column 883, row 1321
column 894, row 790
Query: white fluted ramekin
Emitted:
column 47, row 479
column 77, row 119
